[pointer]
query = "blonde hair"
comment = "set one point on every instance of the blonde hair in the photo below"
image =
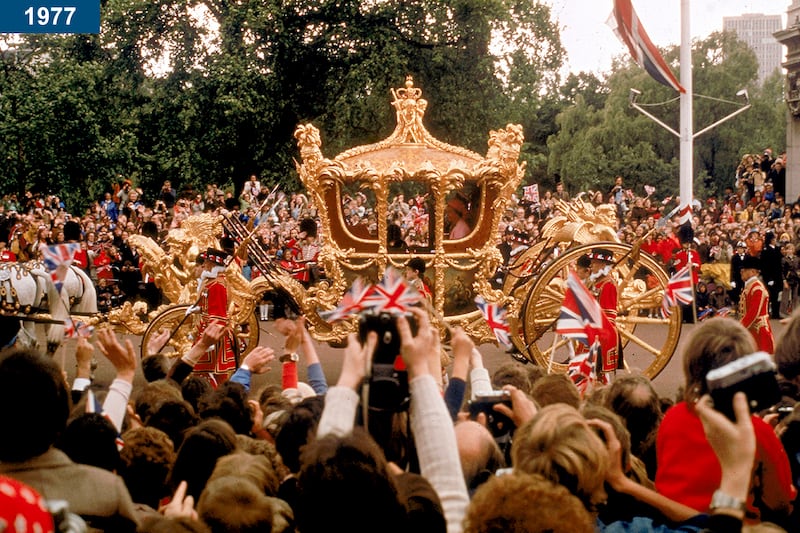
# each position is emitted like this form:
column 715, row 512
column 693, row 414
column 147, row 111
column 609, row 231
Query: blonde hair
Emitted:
column 559, row 445
column 524, row 503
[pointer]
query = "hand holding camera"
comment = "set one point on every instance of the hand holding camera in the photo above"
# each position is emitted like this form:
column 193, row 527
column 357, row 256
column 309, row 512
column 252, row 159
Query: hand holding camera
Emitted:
column 357, row 360
column 754, row 375
column 417, row 349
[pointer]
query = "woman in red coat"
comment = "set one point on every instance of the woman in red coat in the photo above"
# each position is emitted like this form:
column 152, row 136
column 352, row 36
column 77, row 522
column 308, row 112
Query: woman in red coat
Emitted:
column 687, row 468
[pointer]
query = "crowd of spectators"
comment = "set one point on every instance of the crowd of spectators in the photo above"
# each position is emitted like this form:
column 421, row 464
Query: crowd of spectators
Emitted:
column 174, row 454
column 755, row 201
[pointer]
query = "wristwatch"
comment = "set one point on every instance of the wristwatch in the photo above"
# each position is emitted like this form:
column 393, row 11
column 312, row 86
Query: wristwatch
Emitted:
column 289, row 357
column 721, row 500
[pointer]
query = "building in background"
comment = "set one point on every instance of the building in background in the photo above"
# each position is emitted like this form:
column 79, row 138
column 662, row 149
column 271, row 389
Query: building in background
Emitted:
column 757, row 31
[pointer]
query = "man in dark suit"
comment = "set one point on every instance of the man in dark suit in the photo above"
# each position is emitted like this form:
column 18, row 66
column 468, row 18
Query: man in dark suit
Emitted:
column 35, row 408
column 772, row 273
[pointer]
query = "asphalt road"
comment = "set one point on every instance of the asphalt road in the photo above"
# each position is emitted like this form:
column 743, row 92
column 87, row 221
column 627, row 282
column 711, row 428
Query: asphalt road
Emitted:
column 666, row 383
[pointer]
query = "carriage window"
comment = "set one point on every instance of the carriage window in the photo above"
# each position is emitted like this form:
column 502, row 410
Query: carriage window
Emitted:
column 358, row 210
column 462, row 211
column 409, row 217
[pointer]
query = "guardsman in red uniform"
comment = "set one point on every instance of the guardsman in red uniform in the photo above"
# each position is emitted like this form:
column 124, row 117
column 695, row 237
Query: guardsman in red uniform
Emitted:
column 754, row 305
column 220, row 361
column 605, row 290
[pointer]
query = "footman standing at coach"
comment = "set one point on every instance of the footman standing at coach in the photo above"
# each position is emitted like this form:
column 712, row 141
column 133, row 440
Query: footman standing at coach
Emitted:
column 754, row 305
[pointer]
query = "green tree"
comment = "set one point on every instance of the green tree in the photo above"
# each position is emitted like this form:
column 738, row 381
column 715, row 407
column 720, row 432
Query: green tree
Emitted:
column 595, row 144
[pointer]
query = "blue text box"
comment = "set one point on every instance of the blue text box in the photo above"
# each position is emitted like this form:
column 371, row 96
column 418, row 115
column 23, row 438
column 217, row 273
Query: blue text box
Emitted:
column 49, row 16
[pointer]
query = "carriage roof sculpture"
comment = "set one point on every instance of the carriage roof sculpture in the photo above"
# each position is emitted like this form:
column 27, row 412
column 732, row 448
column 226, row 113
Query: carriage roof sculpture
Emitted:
column 411, row 162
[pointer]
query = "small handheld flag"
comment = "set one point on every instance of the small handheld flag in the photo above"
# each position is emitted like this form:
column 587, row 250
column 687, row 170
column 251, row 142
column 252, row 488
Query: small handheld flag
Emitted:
column 497, row 319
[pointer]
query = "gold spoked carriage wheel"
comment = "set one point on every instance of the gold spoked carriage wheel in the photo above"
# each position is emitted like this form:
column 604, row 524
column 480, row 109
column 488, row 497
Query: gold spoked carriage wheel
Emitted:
column 246, row 336
column 648, row 339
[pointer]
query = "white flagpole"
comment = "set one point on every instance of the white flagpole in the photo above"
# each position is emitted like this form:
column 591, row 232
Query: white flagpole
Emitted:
column 552, row 352
column 686, row 117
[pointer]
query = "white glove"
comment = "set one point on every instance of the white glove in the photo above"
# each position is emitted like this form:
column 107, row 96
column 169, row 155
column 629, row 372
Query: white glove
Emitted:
column 733, row 284
column 770, row 283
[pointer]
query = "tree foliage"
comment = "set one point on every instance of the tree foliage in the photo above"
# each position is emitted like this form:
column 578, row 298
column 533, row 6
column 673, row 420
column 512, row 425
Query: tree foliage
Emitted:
column 211, row 90
column 203, row 91
column 600, row 137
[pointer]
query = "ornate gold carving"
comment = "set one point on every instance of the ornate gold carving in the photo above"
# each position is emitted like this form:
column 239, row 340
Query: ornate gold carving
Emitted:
column 409, row 155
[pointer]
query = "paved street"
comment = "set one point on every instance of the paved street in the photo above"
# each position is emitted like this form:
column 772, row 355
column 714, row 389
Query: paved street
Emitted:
column 667, row 383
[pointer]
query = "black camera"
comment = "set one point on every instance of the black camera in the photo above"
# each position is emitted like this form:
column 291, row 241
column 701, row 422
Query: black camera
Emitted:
column 388, row 382
column 497, row 423
column 753, row 374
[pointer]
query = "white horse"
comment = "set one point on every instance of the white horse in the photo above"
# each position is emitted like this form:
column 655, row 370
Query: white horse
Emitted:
column 23, row 287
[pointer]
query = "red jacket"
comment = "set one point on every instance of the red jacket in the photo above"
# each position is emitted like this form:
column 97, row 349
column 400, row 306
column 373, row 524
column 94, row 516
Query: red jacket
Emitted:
column 754, row 313
column 689, row 472
column 606, row 291
column 214, row 308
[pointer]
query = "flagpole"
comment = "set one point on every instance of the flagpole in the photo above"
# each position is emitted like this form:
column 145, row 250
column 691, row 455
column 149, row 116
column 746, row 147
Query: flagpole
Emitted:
column 552, row 352
column 686, row 117
column 687, row 137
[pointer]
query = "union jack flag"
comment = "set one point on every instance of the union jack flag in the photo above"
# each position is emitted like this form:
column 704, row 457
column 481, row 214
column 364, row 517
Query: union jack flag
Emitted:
column 679, row 290
column 495, row 316
column 581, row 316
column 531, row 193
column 77, row 328
column 57, row 259
column 582, row 369
column 352, row 302
column 626, row 24
column 392, row 294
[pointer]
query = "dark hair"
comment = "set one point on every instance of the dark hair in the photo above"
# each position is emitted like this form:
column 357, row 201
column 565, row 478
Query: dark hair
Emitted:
column 173, row 417
column 228, row 402
column 555, row 388
column 145, row 463
column 90, row 439
column 154, row 367
column 635, row 400
column 512, row 373
column 35, row 404
column 193, row 388
column 416, row 263
column 347, row 477
column 297, row 430
column 198, row 454
column 152, row 395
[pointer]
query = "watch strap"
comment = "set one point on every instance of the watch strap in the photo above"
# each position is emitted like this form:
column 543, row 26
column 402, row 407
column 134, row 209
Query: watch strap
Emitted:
column 292, row 357
column 722, row 500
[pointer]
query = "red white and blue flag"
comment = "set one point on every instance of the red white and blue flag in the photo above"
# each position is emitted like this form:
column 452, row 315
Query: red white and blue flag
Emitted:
column 531, row 193
column 57, row 259
column 581, row 317
column 352, row 303
column 582, row 369
column 77, row 328
column 626, row 24
column 679, row 290
column 497, row 319
column 93, row 405
column 392, row 294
